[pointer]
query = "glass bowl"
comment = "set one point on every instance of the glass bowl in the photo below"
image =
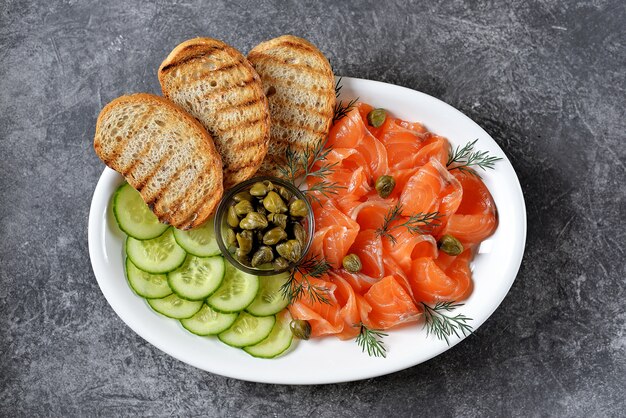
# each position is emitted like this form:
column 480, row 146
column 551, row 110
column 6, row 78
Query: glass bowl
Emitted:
column 308, row 222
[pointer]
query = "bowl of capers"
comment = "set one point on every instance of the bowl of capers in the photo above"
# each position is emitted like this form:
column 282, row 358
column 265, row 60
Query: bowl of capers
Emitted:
column 264, row 226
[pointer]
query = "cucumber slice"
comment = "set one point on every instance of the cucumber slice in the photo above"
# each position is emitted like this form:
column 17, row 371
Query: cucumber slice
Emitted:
column 147, row 285
column 133, row 216
column 208, row 321
column 199, row 241
column 197, row 278
column 269, row 299
column 236, row 291
column 276, row 343
column 157, row 255
column 174, row 307
column 247, row 330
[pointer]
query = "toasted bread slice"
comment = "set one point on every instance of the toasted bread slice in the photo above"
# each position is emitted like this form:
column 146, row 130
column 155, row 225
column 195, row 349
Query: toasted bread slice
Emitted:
column 300, row 87
column 165, row 154
column 218, row 86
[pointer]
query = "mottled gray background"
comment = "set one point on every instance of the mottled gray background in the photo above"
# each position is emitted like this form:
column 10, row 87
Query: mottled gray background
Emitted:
column 545, row 78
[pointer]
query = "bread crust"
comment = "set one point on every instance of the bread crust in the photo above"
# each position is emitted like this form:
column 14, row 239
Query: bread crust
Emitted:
column 217, row 85
column 300, row 85
column 123, row 143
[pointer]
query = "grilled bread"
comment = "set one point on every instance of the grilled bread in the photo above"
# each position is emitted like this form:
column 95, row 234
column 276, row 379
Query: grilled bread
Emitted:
column 165, row 154
column 218, row 86
column 300, row 87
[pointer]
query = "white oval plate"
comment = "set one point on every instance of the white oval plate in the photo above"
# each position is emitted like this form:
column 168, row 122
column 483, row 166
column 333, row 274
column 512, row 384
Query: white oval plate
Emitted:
column 330, row 360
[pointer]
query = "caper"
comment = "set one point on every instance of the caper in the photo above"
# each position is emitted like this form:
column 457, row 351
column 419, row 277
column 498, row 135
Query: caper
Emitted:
column 284, row 193
column 261, row 209
column 384, row 186
column 274, row 236
column 352, row 263
column 450, row 245
column 280, row 263
column 231, row 237
column 300, row 329
column 231, row 218
column 253, row 220
column 376, row 117
column 261, row 256
column 274, row 203
column 298, row 208
column 259, row 189
column 243, row 208
column 245, row 195
column 278, row 219
column 269, row 185
column 299, row 233
column 244, row 241
column 241, row 257
column 291, row 250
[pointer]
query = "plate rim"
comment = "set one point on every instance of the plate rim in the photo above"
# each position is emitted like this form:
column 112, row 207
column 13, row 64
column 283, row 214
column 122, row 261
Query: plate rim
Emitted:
column 93, row 241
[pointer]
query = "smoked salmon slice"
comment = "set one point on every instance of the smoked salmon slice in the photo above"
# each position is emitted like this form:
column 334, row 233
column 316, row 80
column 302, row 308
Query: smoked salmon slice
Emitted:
column 391, row 305
column 325, row 318
column 431, row 284
column 475, row 218
column 432, row 189
column 335, row 233
column 350, row 132
column 369, row 247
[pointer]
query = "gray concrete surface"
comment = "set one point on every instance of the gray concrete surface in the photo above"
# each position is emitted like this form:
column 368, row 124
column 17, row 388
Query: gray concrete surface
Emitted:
column 545, row 78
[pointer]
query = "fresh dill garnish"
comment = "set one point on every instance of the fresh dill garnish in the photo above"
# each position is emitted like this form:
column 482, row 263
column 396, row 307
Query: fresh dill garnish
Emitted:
column 295, row 289
column 443, row 326
column 370, row 340
column 419, row 223
column 338, row 86
column 342, row 109
column 466, row 158
column 300, row 165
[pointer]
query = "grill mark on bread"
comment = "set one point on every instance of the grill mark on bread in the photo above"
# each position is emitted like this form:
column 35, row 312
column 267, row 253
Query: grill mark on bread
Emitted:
column 157, row 167
column 273, row 81
column 240, row 166
column 242, row 126
column 193, row 57
column 132, row 134
column 256, row 99
column 221, row 90
column 188, row 222
column 139, row 158
column 299, row 45
column 286, row 102
column 294, row 65
column 296, row 127
column 182, row 61
column 175, row 205
column 195, row 208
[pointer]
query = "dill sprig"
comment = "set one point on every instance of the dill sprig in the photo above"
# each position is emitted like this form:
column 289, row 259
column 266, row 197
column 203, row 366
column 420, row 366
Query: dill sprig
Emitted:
column 419, row 223
column 342, row 109
column 443, row 326
column 370, row 340
column 466, row 158
column 295, row 289
column 338, row 86
column 301, row 165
